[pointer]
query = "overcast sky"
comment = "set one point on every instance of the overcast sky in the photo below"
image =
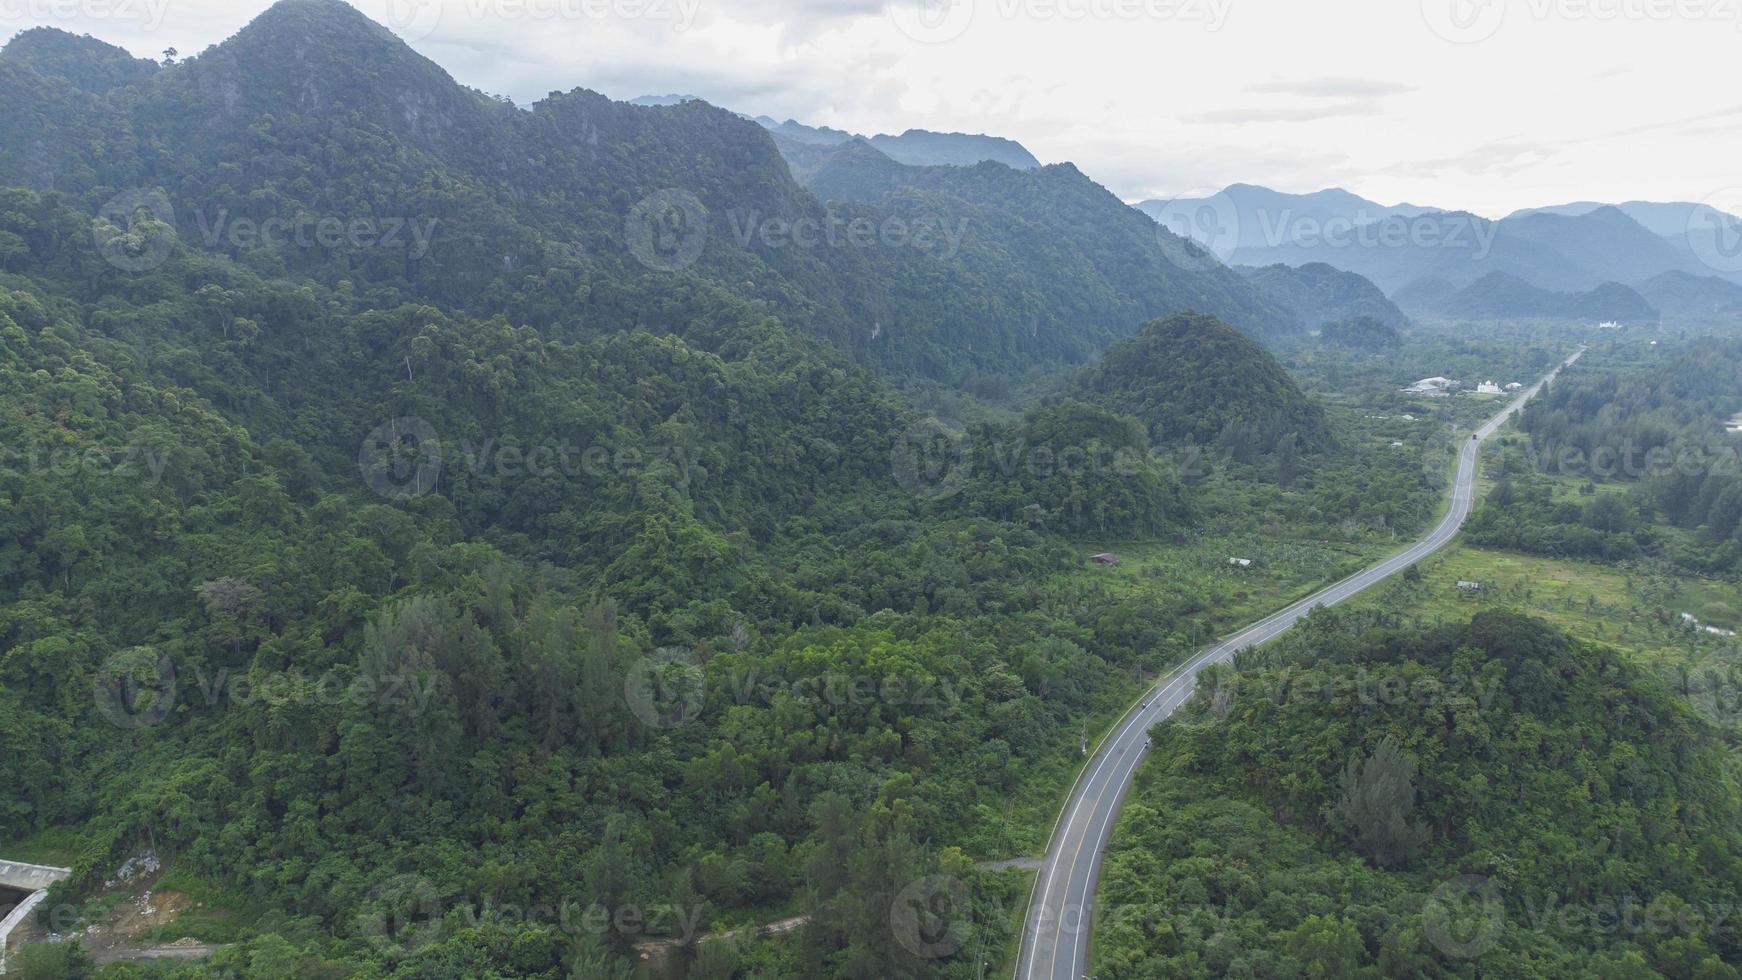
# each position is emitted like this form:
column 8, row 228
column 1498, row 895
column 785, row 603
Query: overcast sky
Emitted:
column 1488, row 105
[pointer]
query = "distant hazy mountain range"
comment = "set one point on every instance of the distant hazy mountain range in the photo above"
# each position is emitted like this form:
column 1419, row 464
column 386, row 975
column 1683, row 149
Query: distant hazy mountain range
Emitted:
column 1500, row 295
column 917, row 147
column 1681, row 258
column 1333, row 255
column 1071, row 257
column 1682, row 294
column 1242, row 217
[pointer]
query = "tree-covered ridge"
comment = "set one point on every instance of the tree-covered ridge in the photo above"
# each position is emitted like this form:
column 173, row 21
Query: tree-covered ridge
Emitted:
column 1683, row 294
column 89, row 65
column 1320, row 294
column 1480, row 799
column 1498, row 294
column 1074, row 254
column 471, row 571
column 1192, row 378
column 550, row 214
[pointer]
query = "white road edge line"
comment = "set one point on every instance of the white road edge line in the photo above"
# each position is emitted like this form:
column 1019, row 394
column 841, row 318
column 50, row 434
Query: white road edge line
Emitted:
column 1150, row 703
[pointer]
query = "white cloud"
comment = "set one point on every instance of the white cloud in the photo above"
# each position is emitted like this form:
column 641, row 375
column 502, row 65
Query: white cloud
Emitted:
column 1151, row 97
column 1332, row 88
column 1247, row 115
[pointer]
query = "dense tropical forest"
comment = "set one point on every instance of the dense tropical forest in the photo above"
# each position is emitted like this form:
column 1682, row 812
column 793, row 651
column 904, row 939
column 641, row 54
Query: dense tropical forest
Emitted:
column 361, row 616
column 381, row 605
column 1372, row 798
column 1640, row 436
column 445, row 538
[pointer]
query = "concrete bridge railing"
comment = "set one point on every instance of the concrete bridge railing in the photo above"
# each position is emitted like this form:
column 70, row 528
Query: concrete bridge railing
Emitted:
column 33, row 879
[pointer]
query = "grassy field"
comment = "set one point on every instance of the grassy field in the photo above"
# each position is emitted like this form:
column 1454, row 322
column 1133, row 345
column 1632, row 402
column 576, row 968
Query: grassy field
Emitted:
column 1201, row 578
column 1639, row 608
column 1622, row 605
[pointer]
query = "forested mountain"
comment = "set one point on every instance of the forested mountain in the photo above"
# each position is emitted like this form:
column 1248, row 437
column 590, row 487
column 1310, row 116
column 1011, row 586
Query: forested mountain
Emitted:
column 1501, row 295
column 923, row 148
column 578, row 215
column 1195, row 379
column 1605, row 244
column 88, row 65
column 915, row 147
column 613, row 585
column 1320, row 294
column 1668, row 219
column 1244, row 217
column 798, row 132
column 551, row 489
column 1058, row 247
column 1563, row 254
column 1682, row 294
column 1701, row 236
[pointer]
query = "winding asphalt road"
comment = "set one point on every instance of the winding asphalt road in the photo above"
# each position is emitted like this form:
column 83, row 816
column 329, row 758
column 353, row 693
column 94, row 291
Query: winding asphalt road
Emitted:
column 1055, row 941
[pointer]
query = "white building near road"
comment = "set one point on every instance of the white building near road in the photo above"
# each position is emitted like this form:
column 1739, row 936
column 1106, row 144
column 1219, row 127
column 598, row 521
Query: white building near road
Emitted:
column 1432, row 387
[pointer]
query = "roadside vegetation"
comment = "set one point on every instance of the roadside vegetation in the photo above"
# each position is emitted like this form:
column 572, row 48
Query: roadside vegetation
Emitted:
column 1350, row 800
